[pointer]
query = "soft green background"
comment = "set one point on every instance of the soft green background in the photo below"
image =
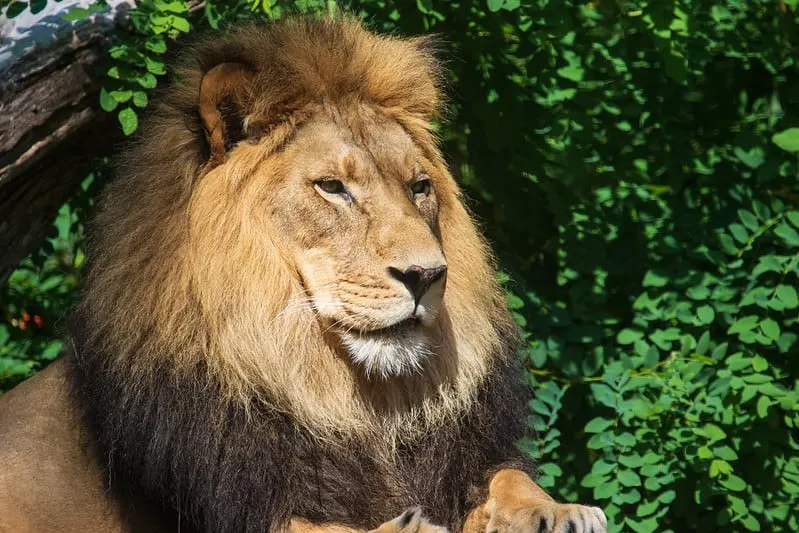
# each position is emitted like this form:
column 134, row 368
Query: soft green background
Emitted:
column 635, row 166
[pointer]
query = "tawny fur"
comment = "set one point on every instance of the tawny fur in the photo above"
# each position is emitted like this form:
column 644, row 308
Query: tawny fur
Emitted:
column 209, row 385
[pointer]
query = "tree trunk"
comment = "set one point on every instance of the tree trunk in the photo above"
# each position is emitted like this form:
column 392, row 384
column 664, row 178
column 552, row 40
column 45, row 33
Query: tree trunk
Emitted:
column 51, row 128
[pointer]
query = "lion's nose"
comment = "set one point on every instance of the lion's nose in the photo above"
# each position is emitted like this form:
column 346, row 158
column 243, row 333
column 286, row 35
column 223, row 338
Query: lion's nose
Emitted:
column 419, row 279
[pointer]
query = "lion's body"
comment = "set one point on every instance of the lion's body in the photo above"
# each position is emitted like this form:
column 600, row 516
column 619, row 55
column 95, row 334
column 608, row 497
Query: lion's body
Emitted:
column 51, row 481
column 249, row 348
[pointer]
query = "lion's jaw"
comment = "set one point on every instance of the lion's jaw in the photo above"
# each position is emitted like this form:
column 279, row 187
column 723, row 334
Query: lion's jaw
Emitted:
column 372, row 267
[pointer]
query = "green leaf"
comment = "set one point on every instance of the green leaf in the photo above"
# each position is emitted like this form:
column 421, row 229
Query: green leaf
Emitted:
column 651, row 357
column 75, row 14
column 495, row 5
column 574, row 71
column 598, row 425
column 14, row 9
column 606, row 490
column 625, row 439
column 650, row 525
column 761, row 210
column 551, row 469
column 788, row 296
column 171, row 7
column 121, row 96
column 140, row 99
column 631, row 461
column 734, row 483
column 593, row 479
column 749, row 220
column 728, row 244
column 627, row 497
column 629, row 478
column 156, row 45
column 51, row 283
column 763, row 403
column 770, row 329
column 107, row 102
column 147, row 80
column 713, row 432
column 725, row 452
column 604, row 394
column 752, row 158
column 647, row 508
column 155, row 66
column 181, row 24
column 743, row 324
column 788, row 234
column 667, row 497
column 720, row 13
column 788, row 139
column 128, row 120
column 750, row 522
column 652, row 279
column 36, row 6
column 705, row 314
column 719, row 353
column 600, row 441
column 719, row 466
column 740, row 233
column 513, row 301
column 601, row 467
column 759, row 363
column 628, row 336
column 52, row 351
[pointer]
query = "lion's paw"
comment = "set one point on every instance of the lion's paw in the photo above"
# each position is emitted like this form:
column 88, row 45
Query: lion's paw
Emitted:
column 411, row 521
column 548, row 518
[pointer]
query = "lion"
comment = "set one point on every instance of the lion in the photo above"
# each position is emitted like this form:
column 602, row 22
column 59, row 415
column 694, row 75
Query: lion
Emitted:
column 289, row 319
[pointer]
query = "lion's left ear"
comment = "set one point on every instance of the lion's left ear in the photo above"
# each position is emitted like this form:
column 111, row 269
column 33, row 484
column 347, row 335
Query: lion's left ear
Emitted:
column 224, row 94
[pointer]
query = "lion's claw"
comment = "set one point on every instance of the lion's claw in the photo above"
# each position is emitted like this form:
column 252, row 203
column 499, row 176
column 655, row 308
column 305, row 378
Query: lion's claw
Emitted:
column 411, row 521
column 549, row 518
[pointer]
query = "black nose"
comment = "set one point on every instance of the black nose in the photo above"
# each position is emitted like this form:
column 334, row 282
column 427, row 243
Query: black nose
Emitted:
column 418, row 279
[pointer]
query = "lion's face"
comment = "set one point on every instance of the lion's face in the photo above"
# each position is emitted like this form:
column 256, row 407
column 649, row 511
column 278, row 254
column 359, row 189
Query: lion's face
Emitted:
column 357, row 210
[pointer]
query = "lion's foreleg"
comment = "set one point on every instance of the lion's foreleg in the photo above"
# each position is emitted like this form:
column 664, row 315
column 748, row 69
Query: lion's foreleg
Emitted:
column 411, row 521
column 298, row 525
column 516, row 503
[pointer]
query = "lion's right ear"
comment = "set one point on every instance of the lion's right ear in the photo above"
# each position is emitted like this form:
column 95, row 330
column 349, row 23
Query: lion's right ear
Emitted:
column 224, row 94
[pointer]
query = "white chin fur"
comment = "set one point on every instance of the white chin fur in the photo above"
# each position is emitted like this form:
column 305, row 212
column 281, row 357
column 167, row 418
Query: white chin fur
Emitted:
column 388, row 356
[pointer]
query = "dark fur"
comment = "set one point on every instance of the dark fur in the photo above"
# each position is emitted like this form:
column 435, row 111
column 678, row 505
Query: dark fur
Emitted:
column 180, row 444
column 173, row 440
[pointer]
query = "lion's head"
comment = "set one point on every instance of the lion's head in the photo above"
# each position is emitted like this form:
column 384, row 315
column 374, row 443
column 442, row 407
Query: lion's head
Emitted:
column 287, row 221
column 353, row 202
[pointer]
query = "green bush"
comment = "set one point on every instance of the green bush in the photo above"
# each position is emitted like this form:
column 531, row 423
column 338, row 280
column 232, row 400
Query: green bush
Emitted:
column 635, row 165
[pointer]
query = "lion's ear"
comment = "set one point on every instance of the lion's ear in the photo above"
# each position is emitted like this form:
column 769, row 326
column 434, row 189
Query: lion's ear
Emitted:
column 224, row 94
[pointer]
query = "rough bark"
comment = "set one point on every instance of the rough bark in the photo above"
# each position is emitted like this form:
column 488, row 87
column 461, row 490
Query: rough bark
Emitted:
column 51, row 129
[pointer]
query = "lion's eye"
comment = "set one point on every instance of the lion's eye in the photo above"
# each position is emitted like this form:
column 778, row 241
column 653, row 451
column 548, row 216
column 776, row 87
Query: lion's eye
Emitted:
column 333, row 190
column 331, row 186
column 421, row 187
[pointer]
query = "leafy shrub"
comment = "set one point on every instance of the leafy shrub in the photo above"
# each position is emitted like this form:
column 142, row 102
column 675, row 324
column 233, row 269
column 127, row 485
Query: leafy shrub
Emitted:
column 40, row 292
column 635, row 164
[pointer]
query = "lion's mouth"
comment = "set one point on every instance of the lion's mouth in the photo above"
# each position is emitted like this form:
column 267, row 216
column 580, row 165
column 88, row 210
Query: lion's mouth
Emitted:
column 394, row 329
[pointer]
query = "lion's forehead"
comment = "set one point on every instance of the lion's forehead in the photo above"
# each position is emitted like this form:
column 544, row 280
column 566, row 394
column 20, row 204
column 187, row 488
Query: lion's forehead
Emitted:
column 376, row 148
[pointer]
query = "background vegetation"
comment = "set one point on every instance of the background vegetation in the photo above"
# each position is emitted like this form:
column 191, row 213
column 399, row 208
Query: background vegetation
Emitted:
column 635, row 165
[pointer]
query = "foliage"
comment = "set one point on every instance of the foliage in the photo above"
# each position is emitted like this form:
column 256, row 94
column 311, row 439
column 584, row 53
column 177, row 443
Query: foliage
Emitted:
column 40, row 292
column 635, row 164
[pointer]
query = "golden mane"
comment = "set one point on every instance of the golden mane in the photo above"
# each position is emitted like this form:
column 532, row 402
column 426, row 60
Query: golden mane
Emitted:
column 182, row 277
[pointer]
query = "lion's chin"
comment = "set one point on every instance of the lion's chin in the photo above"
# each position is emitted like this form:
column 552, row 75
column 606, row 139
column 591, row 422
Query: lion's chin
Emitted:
column 388, row 354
